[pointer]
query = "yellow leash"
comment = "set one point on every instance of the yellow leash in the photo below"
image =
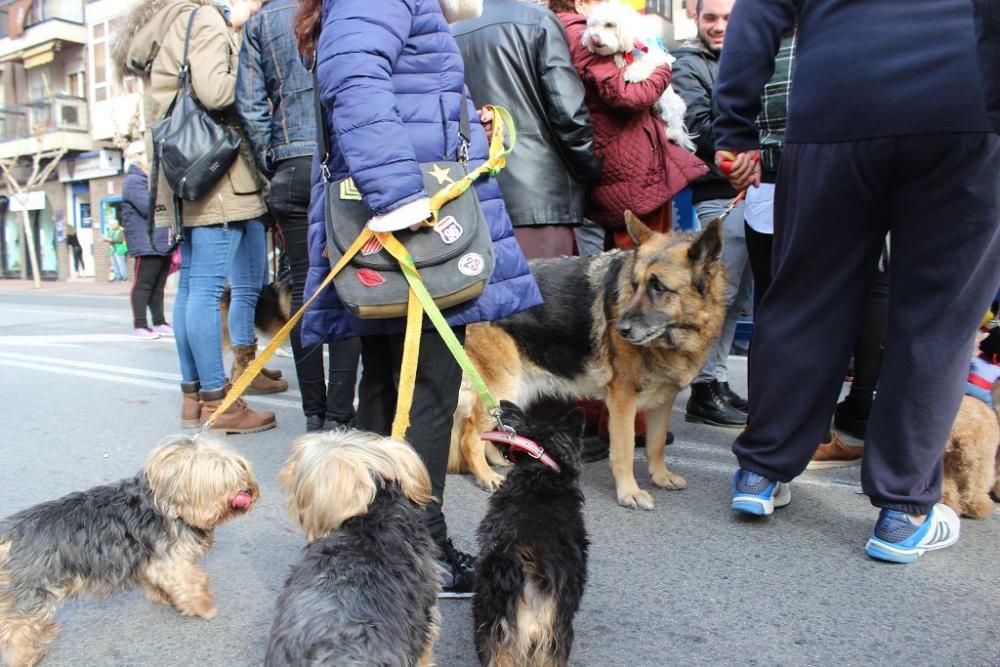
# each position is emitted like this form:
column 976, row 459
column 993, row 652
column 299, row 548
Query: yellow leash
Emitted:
column 253, row 370
column 418, row 300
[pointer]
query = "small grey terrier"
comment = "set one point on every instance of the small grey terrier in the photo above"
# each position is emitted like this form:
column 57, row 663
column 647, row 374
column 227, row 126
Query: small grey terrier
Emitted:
column 365, row 592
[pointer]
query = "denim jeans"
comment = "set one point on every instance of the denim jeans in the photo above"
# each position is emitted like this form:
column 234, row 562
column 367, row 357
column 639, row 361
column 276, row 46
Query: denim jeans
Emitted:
column 739, row 293
column 119, row 267
column 209, row 256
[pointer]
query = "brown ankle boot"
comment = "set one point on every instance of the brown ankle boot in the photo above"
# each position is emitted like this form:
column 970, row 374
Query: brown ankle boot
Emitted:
column 272, row 373
column 243, row 356
column 191, row 406
column 239, row 418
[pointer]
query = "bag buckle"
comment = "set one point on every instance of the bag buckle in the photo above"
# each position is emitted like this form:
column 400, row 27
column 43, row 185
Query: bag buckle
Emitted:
column 463, row 152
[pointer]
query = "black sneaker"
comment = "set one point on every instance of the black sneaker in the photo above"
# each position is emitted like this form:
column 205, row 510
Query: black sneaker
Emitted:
column 458, row 573
column 314, row 423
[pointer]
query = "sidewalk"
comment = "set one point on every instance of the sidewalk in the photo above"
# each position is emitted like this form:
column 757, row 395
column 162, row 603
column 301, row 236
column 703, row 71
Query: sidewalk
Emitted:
column 82, row 286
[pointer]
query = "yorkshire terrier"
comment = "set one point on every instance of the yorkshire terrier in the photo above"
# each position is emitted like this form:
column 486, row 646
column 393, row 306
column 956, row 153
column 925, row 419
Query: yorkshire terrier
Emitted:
column 365, row 592
column 532, row 564
column 149, row 530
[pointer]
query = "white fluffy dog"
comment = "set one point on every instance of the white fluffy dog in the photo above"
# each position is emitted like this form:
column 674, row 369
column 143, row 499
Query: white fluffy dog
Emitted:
column 616, row 29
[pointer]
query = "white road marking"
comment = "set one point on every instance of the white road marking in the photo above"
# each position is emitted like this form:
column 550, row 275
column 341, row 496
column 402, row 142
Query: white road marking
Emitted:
column 118, row 374
column 63, row 312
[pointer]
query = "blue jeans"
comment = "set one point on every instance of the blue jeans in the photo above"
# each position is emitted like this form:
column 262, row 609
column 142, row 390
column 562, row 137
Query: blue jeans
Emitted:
column 119, row 267
column 739, row 293
column 210, row 255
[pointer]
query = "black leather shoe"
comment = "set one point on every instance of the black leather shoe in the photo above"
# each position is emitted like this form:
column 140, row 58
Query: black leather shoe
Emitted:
column 733, row 398
column 707, row 406
column 314, row 423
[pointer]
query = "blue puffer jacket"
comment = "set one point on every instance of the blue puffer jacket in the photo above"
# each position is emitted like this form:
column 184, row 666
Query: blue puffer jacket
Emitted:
column 274, row 91
column 135, row 217
column 393, row 80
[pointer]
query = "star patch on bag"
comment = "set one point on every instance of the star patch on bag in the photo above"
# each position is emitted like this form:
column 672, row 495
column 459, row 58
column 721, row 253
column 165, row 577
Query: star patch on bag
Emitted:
column 448, row 229
column 369, row 277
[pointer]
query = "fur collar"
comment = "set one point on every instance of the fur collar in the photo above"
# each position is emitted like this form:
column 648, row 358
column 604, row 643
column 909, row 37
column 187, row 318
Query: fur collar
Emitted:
column 141, row 30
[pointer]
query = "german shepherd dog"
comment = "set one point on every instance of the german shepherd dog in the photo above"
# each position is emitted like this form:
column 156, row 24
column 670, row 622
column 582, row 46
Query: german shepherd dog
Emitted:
column 532, row 565
column 631, row 328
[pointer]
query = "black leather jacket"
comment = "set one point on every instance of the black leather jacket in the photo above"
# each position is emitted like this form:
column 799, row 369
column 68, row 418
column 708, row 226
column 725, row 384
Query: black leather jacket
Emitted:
column 516, row 56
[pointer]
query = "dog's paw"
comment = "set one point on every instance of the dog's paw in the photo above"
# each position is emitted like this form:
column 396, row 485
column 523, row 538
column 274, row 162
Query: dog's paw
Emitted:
column 491, row 482
column 977, row 507
column 638, row 71
column 636, row 499
column 209, row 614
column 157, row 596
column 668, row 480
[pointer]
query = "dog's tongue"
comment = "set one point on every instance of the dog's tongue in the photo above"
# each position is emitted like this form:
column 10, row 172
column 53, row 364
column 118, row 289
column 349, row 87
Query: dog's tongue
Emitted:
column 242, row 500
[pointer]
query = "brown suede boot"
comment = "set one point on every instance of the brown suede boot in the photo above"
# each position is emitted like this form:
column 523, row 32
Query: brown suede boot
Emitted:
column 243, row 356
column 272, row 373
column 191, row 406
column 239, row 418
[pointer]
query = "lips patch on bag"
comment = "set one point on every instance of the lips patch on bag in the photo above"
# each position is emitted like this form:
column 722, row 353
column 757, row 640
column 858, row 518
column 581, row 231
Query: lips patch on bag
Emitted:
column 369, row 277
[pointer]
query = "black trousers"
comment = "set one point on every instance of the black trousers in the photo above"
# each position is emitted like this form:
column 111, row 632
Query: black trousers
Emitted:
column 834, row 204
column 151, row 273
column 874, row 321
column 435, row 397
column 289, row 202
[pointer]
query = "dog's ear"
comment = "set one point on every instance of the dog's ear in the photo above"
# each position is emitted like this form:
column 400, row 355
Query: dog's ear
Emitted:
column 326, row 484
column 637, row 229
column 705, row 253
column 408, row 471
column 512, row 415
column 573, row 423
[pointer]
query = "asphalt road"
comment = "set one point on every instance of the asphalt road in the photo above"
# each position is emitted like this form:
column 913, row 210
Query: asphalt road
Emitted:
column 687, row 584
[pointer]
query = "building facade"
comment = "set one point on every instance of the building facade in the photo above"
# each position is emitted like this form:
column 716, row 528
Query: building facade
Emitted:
column 59, row 90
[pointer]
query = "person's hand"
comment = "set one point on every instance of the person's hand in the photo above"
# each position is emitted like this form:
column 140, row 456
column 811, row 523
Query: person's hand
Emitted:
column 741, row 168
column 486, row 118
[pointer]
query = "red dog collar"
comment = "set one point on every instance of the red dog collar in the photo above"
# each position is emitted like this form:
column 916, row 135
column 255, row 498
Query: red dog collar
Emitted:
column 521, row 444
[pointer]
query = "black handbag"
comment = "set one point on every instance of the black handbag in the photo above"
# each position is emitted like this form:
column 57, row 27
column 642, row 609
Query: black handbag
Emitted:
column 455, row 256
column 193, row 149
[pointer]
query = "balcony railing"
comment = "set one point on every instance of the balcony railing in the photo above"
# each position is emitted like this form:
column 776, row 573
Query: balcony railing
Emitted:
column 61, row 113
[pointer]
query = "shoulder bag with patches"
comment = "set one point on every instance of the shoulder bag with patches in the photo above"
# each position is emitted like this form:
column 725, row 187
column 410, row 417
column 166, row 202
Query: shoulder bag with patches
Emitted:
column 453, row 255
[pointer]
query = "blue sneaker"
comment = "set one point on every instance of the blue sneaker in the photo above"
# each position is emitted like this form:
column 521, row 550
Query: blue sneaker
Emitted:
column 758, row 495
column 898, row 540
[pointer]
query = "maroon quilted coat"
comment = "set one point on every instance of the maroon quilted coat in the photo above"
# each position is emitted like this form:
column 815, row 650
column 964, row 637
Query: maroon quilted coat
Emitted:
column 641, row 170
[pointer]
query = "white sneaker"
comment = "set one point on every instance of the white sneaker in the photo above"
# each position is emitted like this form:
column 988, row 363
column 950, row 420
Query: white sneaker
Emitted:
column 898, row 540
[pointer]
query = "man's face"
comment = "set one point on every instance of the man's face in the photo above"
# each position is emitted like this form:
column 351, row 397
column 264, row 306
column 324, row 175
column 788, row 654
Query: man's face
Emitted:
column 712, row 22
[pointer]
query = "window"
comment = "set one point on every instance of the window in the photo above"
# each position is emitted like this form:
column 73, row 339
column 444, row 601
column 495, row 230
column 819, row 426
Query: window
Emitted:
column 38, row 83
column 76, row 83
column 100, row 61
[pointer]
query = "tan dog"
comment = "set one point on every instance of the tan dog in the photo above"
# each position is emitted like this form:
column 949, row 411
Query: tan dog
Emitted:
column 628, row 327
column 970, row 458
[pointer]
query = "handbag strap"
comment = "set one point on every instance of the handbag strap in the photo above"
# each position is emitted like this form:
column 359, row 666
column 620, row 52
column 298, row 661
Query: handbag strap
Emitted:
column 183, row 74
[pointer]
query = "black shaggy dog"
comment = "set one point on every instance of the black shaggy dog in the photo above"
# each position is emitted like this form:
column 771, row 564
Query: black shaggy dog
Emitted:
column 365, row 592
column 533, row 548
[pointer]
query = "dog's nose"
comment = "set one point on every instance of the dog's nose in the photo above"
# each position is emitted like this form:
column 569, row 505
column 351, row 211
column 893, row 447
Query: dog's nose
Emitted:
column 595, row 39
column 624, row 326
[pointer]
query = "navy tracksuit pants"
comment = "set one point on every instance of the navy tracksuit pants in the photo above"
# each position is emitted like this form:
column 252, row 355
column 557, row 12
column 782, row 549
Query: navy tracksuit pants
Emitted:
column 938, row 196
